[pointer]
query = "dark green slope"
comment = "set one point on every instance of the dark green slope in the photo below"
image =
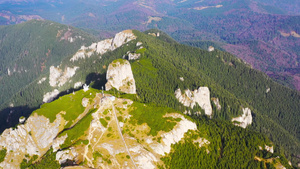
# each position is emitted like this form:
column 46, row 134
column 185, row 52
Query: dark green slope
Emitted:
column 27, row 51
column 29, row 97
column 163, row 62
column 276, row 113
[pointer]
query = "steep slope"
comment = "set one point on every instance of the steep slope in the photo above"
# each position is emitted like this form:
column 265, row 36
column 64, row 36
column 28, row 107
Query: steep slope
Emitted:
column 275, row 23
column 97, row 130
column 228, row 78
column 43, row 63
column 28, row 50
column 214, row 83
column 252, row 36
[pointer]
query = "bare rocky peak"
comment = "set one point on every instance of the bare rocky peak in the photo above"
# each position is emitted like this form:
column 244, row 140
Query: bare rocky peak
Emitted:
column 33, row 138
column 38, row 134
column 119, row 75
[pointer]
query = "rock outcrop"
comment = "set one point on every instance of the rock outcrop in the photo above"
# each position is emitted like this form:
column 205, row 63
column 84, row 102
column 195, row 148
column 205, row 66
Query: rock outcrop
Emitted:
column 119, row 75
column 173, row 136
column 200, row 96
column 58, row 77
column 244, row 120
column 134, row 56
column 42, row 80
column 217, row 103
column 104, row 45
column 33, row 138
column 211, row 48
column 48, row 97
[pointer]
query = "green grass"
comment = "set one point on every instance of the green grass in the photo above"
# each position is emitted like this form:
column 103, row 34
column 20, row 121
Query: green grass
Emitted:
column 2, row 155
column 141, row 51
column 96, row 155
column 103, row 122
column 71, row 104
column 153, row 116
column 48, row 161
column 105, row 112
column 144, row 66
column 121, row 61
column 78, row 130
column 120, row 118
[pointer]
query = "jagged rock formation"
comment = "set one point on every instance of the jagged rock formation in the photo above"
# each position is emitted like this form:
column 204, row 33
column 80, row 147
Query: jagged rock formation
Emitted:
column 109, row 141
column 85, row 102
column 139, row 43
column 77, row 85
column 173, row 136
column 33, row 138
column 200, row 96
column 105, row 141
column 244, row 120
column 58, row 77
column 134, row 56
column 105, row 45
column 48, row 97
column 119, row 75
column 267, row 148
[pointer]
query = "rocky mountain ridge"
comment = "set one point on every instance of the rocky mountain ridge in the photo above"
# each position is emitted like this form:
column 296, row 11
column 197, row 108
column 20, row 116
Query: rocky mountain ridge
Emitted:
column 161, row 68
column 108, row 121
column 239, row 25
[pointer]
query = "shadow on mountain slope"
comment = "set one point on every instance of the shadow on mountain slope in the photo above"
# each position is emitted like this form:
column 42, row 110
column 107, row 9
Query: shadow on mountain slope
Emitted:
column 9, row 117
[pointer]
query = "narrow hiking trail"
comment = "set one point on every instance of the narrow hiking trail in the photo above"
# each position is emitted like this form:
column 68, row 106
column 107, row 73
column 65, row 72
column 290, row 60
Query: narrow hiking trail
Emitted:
column 120, row 132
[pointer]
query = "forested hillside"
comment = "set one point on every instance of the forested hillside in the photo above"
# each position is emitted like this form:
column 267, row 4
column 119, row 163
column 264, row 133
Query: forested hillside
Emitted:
column 263, row 33
column 164, row 66
column 27, row 51
column 93, row 139
column 231, row 80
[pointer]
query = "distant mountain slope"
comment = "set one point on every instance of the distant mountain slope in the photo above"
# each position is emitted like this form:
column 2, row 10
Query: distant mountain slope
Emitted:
column 27, row 51
column 275, row 23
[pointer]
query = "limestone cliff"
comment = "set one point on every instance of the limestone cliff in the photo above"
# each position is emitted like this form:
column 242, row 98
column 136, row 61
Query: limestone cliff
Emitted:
column 98, row 130
column 244, row 120
column 35, row 137
column 200, row 96
column 119, row 75
column 48, row 97
column 108, row 138
column 59, row 77
column 106, row 142
column 103, row 46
